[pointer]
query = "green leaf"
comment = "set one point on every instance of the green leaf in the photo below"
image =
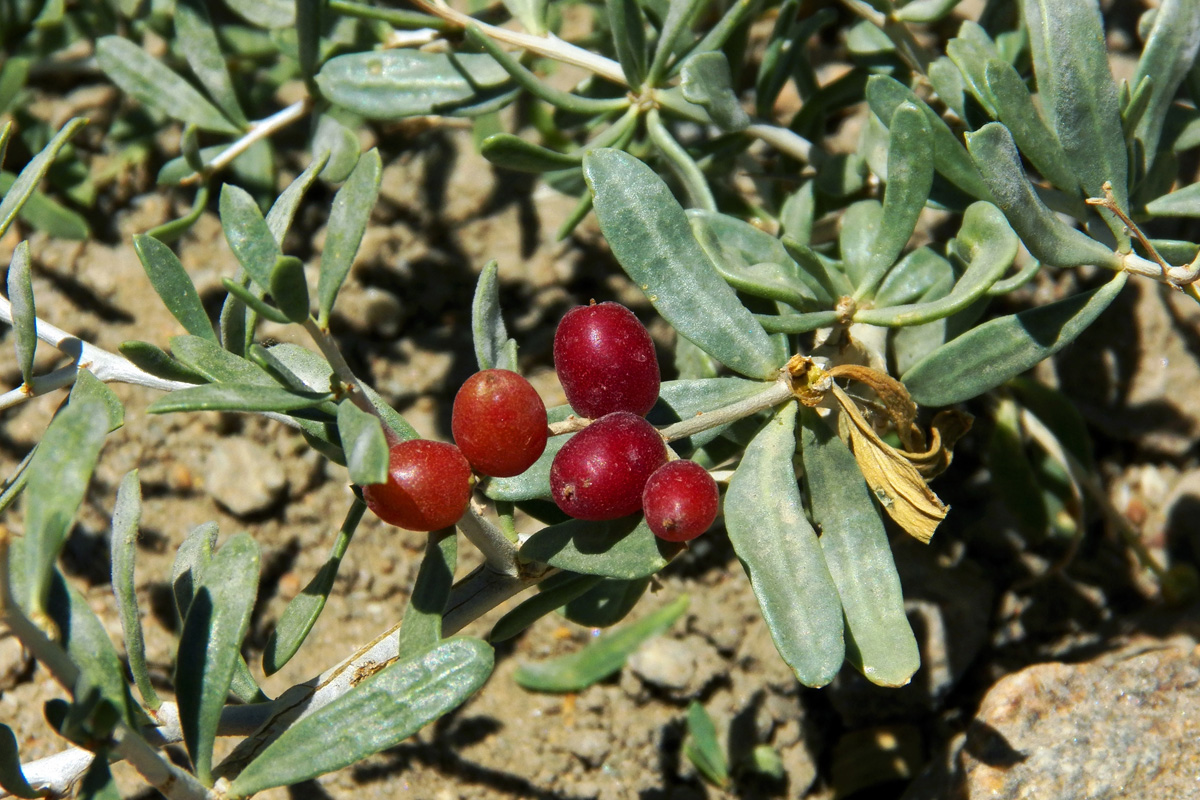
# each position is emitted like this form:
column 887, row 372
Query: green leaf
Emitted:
column 198, row 42
column 422, row 624
column 886, row 94
column 148, row 81
column 677, row 24
column 248, row 298
column 879, row 641
column 23, row 187
column 1070, row 59
column 365, row 445
column 781, row 554
column 266, row 13
column 986, row 244
column 913, row 277
column 1001, row 349
column 706, row 81
column 685, row 399
column 606, row 603
column 127, row 514
column 308, row 37
column 283, row 210
column 1015, row 108
column 621, row 548
column 925, row 10
column 173, row 285
column 12, row 779
column 209, row 644
column 382, row 711
column 216, row 364
column 513, row 152
column 703, row 748
column 1012, row 473
column 331, row 136
column 554, row 592
column 251, row 240
column 191, row 559
column 1048, row 238
column 487, row 326
column 58, row 479
column 909, row 179
column 347, row 221
column 236, row 397
column 1183, row 203
column 91, row 390
column 650, row 236
column 601, row 657
column 48, row 215
column 755, row 262
column 289, row 288
column 1169, row 53
column 97, row 782
column 24, row 312
column 301, row 613
column 629, row 39
column 393, row 84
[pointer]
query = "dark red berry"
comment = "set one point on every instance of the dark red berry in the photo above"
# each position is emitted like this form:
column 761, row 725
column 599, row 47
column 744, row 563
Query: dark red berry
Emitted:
column 428, row 486
column 599, row 473
column 499, row 423
column 605, row 360
column 680, row 501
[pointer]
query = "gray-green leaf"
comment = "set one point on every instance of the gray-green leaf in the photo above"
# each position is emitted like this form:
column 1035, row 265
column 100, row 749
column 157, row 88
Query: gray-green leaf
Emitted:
column 236, row 397
column 347, row 221
column 365, row 446
column 621, row 548
column 173, row 285
column 24, row 312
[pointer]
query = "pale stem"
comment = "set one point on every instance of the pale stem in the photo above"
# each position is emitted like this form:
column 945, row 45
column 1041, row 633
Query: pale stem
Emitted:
column 341, row 369
column 258, row 131
column 498, row 552
column 778, row 392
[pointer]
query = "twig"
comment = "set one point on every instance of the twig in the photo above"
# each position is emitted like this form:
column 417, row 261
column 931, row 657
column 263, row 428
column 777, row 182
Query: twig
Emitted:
column 498, row 552
column 258, row 130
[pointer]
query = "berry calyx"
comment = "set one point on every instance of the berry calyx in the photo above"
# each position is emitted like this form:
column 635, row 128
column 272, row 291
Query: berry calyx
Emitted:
column 600, row 472
column 680, row 500
column 499, row 423
column 605, row 360
column 428, row 486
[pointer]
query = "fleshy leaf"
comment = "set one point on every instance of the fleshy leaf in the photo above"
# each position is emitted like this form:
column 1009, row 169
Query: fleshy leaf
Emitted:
column 1169, row 53
column 780, row 552
column 649, row 235
column 198, row 41
column 347, row 221
column 601, row 657
column 236, row 397
column 393, row 84
column 706, row 81
column 422, row 625
column 566, row 587
column 1001, row 349
column 12, row 780
column 382, row 711
column 621, row 548
column 248, row 235
column 24, row 312
column 279, row 218
column 365, row 445
column 703, row 748
column 301, row 613
column 25, row 184
column 126, row 515
column 149, row 81
column 879, row 641
column 209, row 645
column 487, row 326
column 173, row 285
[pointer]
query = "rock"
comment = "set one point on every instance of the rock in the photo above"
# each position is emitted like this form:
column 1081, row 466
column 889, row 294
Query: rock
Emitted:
column 590, row 746
column 244, row 477
column 683, row 667
column 1126, row 725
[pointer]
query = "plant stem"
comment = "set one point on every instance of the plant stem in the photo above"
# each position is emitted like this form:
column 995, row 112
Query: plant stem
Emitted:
column 258, row 130
column 498, row 552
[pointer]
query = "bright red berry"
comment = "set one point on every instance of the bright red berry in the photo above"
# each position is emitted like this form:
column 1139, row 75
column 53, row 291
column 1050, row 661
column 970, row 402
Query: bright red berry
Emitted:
column 499, row 423
column 605, row 360
column 428, row 486
column 680, row 501
column 599, row 473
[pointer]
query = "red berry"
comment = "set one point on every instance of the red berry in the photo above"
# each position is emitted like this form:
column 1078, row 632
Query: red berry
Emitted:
column 499, row 423
column 680, row 501
column 428, row 486
column 599, row 473
column 605, row 360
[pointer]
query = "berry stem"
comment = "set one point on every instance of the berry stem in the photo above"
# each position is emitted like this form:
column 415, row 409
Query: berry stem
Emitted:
column 341, row 369
column 498, row 552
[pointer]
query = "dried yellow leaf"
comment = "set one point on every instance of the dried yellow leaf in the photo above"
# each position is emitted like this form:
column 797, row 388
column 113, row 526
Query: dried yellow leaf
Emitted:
column 892, row 478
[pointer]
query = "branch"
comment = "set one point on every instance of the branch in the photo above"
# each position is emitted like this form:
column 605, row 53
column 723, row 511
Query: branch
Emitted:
column 258, row 130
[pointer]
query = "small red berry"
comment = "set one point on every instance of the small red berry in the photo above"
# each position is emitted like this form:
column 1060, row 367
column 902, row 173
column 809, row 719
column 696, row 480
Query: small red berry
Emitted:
column 599, row 473
column 680, row 501
column 605, row 360
column 499, row 423
column 428, row 486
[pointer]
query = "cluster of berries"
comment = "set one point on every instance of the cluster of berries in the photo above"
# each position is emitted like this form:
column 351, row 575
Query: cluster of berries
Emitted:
column 614, row 467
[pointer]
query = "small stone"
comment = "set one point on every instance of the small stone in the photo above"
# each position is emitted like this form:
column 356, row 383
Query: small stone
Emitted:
column 666, row 663
column 244, row 477
column 590, row 746
column 1125, row 725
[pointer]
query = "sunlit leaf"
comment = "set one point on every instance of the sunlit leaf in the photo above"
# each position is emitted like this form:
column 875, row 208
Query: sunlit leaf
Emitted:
column 347, row 221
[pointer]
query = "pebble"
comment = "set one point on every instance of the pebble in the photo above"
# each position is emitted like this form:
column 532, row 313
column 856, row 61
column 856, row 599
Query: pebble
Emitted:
column 244, row 477
column 1125, row 725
